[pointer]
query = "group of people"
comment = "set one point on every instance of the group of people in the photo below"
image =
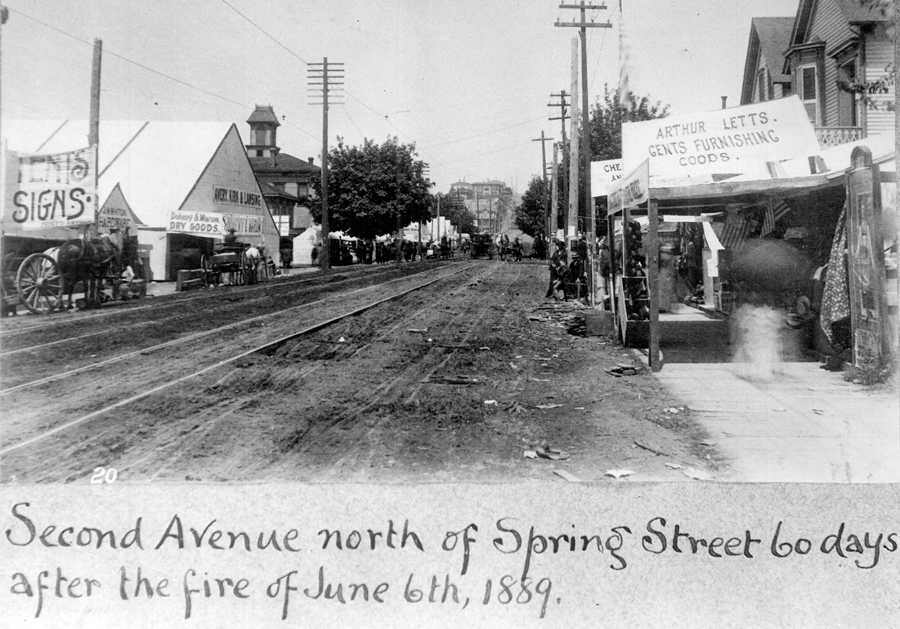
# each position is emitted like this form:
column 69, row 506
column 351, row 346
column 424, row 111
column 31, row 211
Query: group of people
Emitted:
column 506, row 248
column 569, row 279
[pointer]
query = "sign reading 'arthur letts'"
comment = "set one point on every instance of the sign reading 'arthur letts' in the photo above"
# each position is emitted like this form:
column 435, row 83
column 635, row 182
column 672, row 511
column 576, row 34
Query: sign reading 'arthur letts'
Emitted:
column 735, row 140
column 236, row 197
column 44, row 191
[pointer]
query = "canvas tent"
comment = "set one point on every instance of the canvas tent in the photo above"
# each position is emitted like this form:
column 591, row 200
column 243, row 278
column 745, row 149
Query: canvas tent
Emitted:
column 187, row 182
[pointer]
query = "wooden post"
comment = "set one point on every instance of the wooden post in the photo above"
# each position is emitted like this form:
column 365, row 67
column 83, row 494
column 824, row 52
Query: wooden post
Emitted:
column 651, row 248
column 611, row 290
column 865, row 262
column 94, row 129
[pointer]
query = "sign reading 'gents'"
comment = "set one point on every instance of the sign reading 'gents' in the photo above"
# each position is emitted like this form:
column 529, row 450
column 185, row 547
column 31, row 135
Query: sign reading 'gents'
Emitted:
column 44, row 191
column 734, row 140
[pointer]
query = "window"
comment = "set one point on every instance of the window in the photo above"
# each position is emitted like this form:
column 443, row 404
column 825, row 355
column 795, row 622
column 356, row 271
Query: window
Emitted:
column 848, row 114
column 808, row 90
column 259, row 153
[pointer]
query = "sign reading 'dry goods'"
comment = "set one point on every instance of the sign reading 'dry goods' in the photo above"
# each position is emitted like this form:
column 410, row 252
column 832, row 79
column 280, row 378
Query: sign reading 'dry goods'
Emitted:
column 630, row 190
column 196, row 223
column 44, row 191
column 734, row 140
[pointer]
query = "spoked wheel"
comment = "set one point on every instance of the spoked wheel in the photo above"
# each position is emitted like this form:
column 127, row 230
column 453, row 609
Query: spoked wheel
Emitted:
column 40, row 284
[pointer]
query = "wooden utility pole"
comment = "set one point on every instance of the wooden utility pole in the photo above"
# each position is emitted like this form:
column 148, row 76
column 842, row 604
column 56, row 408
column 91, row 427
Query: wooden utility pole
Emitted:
column 554, row 196
column 562, row 117
column 572, row 206
column 94, row 128
column 583, row 25
column 324, row 76
column 543, row 140
column 4, row 15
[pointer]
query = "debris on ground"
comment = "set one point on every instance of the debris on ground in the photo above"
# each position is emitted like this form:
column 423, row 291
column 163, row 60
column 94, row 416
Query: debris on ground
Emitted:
column 675, row 466
column 622, row 370
column 654, row 450
column 342, row 340
column 491, row 402
column 515, row 407
column 544, row 407
column 453, row 379
column 417, row 330
column 698, row 474
column 708, row 443
column 553, row 454
column 619, row 473
column 569, row 477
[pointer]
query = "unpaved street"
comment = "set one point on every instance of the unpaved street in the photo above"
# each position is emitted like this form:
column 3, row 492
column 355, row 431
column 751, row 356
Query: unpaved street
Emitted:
column 454, row 378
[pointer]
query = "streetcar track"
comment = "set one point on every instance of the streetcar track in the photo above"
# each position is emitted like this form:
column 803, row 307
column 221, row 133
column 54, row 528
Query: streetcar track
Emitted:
column 231, row 359
column 178, row 300
column 195, row 336
column 317, row 432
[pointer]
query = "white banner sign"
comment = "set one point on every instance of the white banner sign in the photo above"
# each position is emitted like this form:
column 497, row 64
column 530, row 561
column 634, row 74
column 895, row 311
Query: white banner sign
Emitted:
column 44, row 191
column 735, row 140
column 631, row 190
column 244, row 224
column 208, row 224
column 603, row 173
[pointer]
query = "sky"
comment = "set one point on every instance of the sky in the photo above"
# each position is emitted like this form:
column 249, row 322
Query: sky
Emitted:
column 467, row 81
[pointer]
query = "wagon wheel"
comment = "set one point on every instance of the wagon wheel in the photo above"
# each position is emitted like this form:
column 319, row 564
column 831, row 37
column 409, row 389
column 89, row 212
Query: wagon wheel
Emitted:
column 40, row 284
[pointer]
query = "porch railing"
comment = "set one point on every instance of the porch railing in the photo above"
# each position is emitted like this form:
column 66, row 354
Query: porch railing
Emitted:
column 833, row 136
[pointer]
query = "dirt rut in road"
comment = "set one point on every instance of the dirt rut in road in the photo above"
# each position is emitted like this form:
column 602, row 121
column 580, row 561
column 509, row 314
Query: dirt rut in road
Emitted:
column 450, row 384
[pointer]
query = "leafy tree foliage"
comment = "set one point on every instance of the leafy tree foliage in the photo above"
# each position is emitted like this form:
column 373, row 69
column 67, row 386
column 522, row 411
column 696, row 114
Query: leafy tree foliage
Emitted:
column 606, row 120
column 369, row 185
column 532, row 212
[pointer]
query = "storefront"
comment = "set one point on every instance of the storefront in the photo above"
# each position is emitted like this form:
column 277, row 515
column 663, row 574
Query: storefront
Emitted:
column 192, row 183
column 718, row 241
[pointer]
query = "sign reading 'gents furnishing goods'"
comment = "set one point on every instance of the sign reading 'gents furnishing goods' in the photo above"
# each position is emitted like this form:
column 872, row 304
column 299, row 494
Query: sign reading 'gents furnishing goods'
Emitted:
column 735, row 140
column 44, row 191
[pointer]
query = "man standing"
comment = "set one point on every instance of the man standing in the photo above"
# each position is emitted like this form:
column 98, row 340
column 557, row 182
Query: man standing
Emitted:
column 555, row 260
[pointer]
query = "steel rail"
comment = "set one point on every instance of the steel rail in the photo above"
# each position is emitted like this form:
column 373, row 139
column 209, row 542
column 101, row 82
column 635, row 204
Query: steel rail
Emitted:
column 262, row 348
column 186, row 339
column 351, row 275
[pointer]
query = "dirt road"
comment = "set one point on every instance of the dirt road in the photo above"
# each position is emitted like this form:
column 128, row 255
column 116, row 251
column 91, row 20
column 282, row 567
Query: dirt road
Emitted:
column 444, row 373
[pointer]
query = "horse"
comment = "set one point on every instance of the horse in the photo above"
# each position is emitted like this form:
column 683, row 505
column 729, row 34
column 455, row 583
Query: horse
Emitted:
column 90, row 261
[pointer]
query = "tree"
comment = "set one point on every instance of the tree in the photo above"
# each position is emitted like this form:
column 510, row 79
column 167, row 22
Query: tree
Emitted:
column 531, row 214
column 370, row 185
column 606, row 120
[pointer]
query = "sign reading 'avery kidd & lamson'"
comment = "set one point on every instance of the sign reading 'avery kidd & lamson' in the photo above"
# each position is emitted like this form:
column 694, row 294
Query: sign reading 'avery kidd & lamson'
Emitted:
column 236, row 197
column 735, row 140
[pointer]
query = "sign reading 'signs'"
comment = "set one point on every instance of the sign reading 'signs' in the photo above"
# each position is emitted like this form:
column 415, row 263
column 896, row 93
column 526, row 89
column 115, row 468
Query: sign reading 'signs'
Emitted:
column 734, row 140
column 44, row 191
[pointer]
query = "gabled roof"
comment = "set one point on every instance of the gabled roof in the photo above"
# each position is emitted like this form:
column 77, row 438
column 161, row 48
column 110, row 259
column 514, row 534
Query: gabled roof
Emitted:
column 854, row 11
column 769, row 38
column 271, row 191
column 284, row 163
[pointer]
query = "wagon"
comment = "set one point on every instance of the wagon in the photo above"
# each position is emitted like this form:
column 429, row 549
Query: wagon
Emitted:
column 482, row 245
column 33, row 281
column 229, row 259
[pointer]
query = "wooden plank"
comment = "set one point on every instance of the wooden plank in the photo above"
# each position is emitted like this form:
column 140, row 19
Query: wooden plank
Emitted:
column 652, row 250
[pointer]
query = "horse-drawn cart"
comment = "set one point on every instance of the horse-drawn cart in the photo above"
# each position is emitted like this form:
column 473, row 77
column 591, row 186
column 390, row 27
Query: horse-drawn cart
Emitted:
column 230, row 259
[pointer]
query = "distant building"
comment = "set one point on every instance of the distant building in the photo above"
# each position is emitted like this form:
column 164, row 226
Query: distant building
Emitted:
column 286, row 180
column 490, row 201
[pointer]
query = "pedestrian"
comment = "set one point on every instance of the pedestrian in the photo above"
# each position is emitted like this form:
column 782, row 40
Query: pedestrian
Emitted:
column 253, row 258
column 287, row 258
column 555, row 261
column 315, row 254
column 230, row 239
